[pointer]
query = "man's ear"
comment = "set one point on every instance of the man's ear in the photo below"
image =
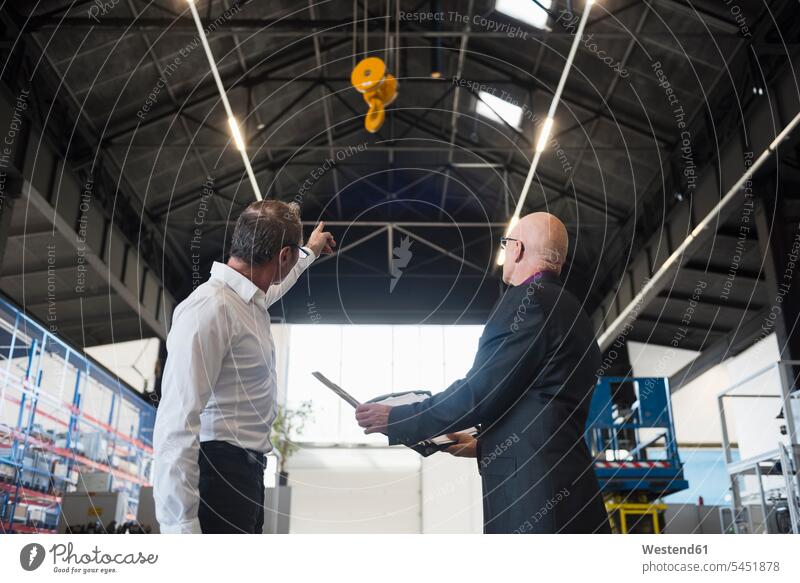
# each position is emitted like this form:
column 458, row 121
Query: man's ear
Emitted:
column 280, row 262
column 519, row 250
column 284, row 255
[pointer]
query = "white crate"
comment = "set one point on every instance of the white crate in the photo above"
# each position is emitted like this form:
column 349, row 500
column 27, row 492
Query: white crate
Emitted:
column 94, row 482
column 36, row 513
column 95, row 446
column 80, row 508
column 21, row 512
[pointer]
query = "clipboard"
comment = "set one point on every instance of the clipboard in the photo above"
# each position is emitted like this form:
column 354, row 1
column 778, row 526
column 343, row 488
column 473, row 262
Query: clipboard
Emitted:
column 424, row 448
column 344, row 395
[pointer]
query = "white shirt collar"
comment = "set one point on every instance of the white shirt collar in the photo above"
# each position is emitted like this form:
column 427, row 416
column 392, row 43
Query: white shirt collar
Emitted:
column 246, row 289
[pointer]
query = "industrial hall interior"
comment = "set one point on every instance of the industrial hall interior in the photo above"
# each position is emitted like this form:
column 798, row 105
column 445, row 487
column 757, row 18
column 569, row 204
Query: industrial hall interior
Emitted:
column 400, row 266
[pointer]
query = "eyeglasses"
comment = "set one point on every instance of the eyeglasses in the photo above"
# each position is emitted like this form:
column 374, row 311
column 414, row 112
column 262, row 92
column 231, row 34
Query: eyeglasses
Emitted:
column 504, row 242
column 303, row 252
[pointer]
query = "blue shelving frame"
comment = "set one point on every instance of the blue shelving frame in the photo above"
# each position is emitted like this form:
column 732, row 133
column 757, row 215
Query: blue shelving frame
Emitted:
column 51, row 410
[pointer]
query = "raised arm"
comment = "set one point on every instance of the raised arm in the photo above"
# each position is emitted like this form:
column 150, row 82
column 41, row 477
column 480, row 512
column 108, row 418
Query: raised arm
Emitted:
column 276, row 292
column 507, row 357
column 319, row 243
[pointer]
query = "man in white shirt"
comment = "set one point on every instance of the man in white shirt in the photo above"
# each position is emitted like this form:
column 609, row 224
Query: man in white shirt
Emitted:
column 217, row 406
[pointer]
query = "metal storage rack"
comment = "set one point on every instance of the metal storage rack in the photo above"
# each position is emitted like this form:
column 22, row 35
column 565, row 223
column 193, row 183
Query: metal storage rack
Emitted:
column 782, row 462
column 66, row 424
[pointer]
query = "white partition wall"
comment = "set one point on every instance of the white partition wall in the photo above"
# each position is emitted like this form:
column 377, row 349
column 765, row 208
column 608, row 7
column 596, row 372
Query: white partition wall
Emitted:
column 451, row 496
column 355, row 491
column 695, row 405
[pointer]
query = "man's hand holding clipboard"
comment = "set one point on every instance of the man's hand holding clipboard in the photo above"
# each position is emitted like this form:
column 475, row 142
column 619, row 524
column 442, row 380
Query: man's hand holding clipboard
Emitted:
column 373, row 416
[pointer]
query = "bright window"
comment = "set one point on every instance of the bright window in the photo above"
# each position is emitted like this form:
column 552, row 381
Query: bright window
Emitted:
column 525, row 10
column 368, row 361
column 497, row 109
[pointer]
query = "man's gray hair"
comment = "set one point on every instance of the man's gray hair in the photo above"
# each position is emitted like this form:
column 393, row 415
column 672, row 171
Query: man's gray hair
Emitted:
column 264, row 228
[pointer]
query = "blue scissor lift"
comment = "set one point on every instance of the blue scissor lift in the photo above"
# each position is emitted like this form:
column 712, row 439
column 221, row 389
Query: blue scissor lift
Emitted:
column 631, row 435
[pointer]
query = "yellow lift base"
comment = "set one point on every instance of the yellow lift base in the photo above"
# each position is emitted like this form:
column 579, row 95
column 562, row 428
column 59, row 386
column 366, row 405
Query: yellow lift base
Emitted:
column 634, row 517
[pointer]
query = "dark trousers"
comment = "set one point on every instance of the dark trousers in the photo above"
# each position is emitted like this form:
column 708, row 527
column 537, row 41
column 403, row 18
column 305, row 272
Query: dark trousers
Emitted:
column 231, row 489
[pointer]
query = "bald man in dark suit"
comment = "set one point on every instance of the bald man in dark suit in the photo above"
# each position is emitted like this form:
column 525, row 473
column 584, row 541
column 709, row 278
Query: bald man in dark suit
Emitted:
column 529, row 388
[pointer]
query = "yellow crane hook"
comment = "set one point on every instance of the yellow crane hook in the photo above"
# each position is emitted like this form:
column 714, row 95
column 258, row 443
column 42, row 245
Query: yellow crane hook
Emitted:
column 378, row 87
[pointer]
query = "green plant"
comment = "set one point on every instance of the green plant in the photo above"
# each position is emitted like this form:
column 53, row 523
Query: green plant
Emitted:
column 289, row 422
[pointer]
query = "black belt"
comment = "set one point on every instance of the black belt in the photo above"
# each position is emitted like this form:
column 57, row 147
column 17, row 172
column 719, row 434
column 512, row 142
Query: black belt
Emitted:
column 250, row 456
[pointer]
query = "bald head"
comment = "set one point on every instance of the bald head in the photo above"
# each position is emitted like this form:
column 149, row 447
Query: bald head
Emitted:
column 542, row 244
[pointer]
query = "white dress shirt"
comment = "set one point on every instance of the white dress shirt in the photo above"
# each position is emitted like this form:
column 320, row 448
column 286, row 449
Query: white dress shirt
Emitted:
column 219, row 383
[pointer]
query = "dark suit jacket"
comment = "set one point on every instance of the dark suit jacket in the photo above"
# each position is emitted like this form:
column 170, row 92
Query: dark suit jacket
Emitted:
column 530, row 388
